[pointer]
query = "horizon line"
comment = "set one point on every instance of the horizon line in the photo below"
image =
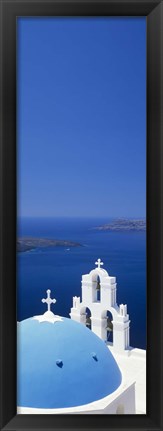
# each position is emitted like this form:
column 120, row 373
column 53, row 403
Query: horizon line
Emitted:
column 78, row 216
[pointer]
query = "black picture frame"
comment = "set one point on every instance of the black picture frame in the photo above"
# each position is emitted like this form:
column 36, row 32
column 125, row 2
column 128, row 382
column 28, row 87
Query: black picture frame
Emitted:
column 153, row 10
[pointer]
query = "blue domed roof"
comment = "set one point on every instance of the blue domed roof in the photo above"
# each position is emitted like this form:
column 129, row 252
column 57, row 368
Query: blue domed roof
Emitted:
column 62, row 364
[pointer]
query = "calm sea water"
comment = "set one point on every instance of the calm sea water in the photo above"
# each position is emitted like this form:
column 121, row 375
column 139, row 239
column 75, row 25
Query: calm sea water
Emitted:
column 59, row 269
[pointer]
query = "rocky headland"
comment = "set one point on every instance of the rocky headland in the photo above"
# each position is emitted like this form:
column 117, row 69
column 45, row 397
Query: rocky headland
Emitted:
column 124, row 225
column 27, row 244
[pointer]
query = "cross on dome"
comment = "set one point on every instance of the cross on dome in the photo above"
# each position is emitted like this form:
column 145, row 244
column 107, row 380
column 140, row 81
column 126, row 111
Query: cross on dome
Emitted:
column 48, row 316
column 49, row 300
column 99, row 263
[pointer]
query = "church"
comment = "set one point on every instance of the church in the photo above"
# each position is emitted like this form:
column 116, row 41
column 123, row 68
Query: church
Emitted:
column 83, row 364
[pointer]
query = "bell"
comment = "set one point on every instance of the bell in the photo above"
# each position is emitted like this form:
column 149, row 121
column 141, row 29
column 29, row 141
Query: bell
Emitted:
column 88, row 321
column 98, row 286
column 109, row 326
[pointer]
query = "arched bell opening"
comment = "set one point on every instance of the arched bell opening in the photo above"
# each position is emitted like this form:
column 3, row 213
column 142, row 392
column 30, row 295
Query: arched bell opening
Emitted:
column 88, row 322
column 85, row 314
column 108, row 336
column 98, row 289
column 109, row 327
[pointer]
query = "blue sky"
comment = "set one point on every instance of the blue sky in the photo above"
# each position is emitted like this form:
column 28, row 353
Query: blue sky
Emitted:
column 81, row 116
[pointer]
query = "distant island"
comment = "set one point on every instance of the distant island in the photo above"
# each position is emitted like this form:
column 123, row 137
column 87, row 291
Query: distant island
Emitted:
column 27, row 244
column 123, row 224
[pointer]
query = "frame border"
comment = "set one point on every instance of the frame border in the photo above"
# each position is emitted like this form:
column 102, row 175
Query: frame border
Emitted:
column 153, row 10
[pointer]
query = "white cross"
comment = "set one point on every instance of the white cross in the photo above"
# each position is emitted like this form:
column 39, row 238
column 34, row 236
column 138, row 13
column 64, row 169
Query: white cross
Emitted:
column 48, row 300
column 99, row 263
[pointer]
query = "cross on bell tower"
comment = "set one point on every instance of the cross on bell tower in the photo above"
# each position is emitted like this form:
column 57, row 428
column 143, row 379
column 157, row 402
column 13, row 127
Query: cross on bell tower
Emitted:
column 49, row 300
column 99, row 263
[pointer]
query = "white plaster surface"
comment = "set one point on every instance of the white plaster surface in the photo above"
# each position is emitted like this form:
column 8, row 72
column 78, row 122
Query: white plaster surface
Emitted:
column 48, row 317
column 133, row 366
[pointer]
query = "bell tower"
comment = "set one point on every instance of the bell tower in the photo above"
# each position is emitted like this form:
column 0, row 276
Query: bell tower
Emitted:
column 99, row 291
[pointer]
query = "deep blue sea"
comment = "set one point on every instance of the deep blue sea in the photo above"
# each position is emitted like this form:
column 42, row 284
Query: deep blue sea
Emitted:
column 59, row 269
